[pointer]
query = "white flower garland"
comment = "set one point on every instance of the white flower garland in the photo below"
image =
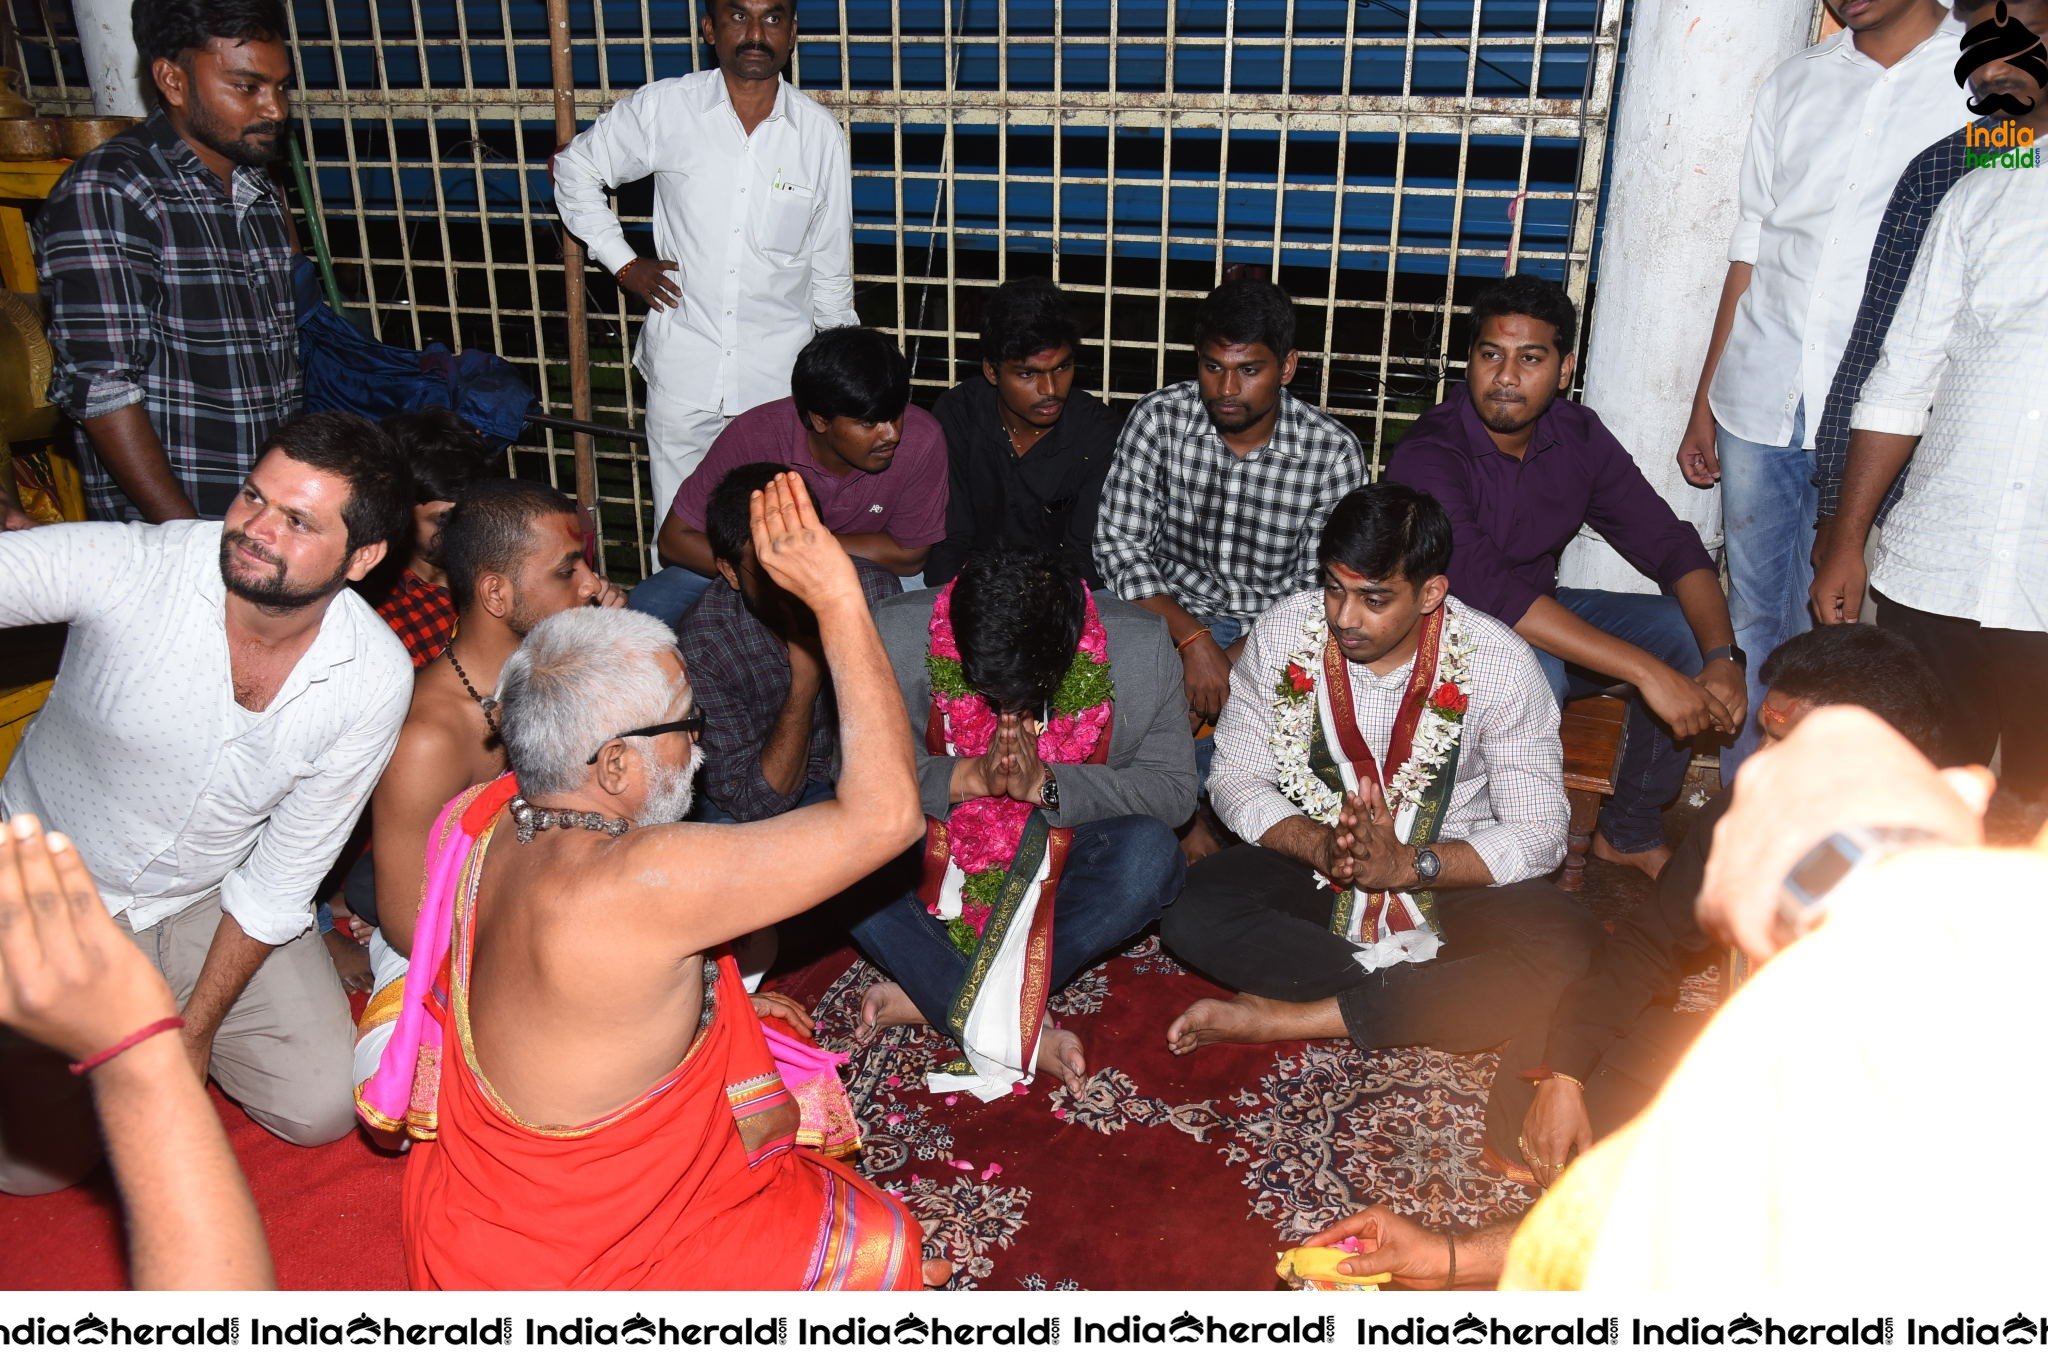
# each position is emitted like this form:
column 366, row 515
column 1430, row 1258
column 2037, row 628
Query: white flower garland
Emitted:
column 1294, row 725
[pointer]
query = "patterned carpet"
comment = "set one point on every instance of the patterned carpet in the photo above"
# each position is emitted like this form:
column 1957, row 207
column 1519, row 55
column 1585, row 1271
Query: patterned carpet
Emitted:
column 1163, row 1172
column 1172, row 1173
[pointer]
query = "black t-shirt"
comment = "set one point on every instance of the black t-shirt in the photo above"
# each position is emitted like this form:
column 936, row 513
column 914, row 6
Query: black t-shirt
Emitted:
column 1047, row 497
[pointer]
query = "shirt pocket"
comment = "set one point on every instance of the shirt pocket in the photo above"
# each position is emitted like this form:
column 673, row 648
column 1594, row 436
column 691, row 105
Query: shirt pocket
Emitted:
column 787, row 219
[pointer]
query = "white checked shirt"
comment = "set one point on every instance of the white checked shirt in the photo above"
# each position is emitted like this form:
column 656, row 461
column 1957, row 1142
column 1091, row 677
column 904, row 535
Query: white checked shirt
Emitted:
column 142, row 756
column 1969, row 537
column 1831, row 133
column 1508, row 801
column 760, row 229
column 1225, row 534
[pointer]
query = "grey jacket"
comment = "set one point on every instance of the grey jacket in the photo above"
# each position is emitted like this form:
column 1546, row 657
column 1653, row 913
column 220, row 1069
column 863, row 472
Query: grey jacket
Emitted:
column 1151, row 768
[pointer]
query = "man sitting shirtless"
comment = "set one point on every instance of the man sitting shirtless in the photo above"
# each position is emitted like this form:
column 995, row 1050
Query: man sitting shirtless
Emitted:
column 607, row 1114
column 513, row 554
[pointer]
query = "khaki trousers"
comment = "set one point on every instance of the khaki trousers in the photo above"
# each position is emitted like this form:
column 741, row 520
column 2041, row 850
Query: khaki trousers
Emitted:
column 282, row 1052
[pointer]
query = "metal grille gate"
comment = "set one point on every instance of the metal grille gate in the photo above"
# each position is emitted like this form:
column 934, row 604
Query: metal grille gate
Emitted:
column 1376, row 157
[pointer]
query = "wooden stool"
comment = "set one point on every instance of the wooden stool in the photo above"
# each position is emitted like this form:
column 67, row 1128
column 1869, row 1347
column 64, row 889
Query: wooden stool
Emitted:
column 1591, row 729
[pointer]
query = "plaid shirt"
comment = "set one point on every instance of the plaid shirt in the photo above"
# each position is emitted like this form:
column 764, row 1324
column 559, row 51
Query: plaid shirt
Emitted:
column 165, row 291
column 1226, row 535
column 739, row 673
column 422, row 614
column 1507, row 801
column 1927, row 179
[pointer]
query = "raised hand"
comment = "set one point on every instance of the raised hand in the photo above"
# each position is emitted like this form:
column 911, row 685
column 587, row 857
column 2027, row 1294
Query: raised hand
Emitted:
column 794, row 547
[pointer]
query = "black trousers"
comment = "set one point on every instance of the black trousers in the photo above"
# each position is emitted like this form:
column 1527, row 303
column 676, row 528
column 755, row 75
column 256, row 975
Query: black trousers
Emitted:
column 1255, row 921
column 1994, row 679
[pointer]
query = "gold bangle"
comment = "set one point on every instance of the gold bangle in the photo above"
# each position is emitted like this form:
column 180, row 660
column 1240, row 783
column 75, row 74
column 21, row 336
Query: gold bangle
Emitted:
column 1192, row 637
column 1563, row 1077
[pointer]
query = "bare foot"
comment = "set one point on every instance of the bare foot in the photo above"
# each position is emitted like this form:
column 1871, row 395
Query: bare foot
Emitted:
column 885, row 1004
column 1059, row 1053
column 937, row 1272
column 1650, row 861
column 351, row 961
column 1245, row 1019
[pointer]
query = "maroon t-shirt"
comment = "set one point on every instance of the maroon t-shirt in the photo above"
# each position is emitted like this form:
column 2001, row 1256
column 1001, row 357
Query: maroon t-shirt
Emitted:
column 907, row 500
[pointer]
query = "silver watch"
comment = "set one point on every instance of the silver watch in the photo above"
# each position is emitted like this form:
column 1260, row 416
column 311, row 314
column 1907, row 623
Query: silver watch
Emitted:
column 1428, row 864
column 1824, row 869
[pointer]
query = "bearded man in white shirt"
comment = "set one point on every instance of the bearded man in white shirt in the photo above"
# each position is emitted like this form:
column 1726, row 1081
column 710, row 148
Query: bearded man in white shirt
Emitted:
column 223, row 710
column 1832, row 130
column 753, row 231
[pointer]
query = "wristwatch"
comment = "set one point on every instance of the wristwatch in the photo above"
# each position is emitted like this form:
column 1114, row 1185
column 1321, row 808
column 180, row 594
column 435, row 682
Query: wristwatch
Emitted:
column 1427, row 866
column 1730, row 651
column 1826, row 868
column 1049, row 792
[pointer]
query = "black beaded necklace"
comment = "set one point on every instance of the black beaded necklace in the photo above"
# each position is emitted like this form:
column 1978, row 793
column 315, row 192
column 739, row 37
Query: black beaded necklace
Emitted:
column 487, row 705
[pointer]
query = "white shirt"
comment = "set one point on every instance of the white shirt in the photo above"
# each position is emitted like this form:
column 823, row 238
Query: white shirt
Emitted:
column 1507, row 801
column 1969, row 537
column 760, row 229
column 142, row 756
column 1831, row 134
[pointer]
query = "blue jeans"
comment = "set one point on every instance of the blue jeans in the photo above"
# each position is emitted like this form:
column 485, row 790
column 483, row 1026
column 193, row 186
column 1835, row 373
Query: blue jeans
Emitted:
column 668, row 593
column 705, row 810
column 1226, row 630
column 1768, row 505
column 1121, row 872
column 1652, row 768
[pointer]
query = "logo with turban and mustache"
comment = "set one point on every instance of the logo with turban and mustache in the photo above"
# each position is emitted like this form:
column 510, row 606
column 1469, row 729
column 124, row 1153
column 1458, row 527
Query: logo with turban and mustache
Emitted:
column 2002, row 38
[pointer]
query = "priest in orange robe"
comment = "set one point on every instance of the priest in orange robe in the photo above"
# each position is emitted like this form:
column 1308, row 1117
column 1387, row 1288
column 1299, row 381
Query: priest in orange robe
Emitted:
column 590, row 1093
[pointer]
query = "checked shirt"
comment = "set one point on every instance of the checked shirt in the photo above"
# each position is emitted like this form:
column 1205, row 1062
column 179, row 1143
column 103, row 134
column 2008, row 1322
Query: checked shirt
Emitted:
column 1927, row 179
column 422, row 614
column 1226, row 535
column 167, row 291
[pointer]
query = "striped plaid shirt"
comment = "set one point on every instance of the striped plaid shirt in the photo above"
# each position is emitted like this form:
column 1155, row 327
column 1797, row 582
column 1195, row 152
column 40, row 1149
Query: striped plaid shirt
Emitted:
column 1226, row 535
column 1928, row 177
column 166, row 291
column 1508, row 801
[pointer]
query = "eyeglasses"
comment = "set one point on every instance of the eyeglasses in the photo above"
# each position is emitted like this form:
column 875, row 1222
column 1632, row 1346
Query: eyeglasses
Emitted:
column 693, row 725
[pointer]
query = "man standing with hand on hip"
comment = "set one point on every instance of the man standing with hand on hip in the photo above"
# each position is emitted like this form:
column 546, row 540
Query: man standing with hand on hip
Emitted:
column 752, row 229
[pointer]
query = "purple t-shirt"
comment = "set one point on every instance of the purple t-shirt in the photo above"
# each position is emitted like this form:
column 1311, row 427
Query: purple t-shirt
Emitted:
column 907, row 501
column 1511, row 519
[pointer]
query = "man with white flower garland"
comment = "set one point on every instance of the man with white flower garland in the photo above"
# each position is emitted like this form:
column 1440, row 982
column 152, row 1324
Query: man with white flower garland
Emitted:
column 1390, row 757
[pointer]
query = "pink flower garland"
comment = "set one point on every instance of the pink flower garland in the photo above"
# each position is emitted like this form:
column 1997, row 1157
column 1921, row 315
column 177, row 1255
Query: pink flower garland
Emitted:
column 984, row 832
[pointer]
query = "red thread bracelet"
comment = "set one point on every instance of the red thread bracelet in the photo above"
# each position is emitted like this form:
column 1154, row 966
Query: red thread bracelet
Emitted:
column 113, row 1051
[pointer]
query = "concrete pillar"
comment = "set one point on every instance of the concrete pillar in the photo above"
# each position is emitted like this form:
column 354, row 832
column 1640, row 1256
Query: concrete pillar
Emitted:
column 1690, row 73
column 106, row 39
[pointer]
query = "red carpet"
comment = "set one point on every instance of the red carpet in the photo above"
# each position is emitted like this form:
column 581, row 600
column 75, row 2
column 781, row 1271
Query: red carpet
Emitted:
column 1166, row 1173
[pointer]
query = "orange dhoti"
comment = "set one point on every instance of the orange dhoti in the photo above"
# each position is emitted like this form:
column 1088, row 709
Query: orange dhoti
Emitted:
column 697, row 1184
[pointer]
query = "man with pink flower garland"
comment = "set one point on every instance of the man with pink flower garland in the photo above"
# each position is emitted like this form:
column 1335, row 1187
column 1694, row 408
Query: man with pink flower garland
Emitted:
column 1054, row 763
column 1390, row 757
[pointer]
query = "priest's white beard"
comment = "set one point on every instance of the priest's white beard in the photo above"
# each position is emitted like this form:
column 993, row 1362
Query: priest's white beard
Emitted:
column 670, row 791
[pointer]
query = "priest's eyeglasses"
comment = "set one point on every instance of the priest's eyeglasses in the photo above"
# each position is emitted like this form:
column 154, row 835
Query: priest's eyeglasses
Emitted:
column 693, row 725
